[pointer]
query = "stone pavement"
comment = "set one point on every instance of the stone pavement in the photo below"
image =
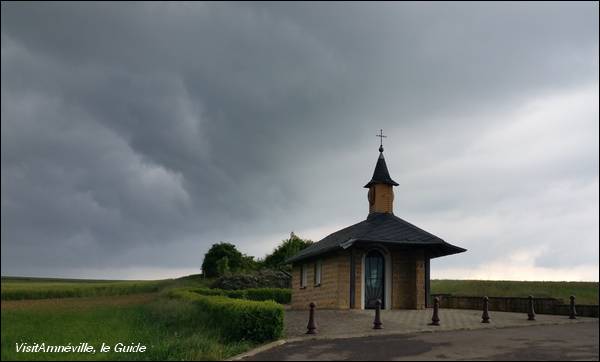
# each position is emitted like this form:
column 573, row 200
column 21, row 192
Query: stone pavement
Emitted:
column 571, row 341
column 355, row 323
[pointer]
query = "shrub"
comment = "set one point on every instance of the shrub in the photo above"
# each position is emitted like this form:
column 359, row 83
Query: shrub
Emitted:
column 260, row 279
column 237, row 319
column 237, row 294
column 281, row 296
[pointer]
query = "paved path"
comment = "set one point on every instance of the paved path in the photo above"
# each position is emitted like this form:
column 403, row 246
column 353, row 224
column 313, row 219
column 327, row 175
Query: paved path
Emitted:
column 359, row 323
column 576, row 341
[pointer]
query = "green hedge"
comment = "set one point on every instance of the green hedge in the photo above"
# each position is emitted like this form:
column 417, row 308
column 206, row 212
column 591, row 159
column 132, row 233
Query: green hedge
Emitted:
column 258, row 279
column 282, row 296
column 237, row 319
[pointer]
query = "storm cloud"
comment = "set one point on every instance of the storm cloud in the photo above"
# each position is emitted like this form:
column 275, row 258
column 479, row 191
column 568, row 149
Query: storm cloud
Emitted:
column 136, row 135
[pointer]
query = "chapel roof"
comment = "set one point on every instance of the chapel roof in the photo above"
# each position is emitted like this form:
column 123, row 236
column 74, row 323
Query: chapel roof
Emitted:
column 381, row 228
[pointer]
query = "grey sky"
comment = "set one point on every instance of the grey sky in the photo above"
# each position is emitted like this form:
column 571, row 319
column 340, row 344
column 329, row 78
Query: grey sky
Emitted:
column 136, row 135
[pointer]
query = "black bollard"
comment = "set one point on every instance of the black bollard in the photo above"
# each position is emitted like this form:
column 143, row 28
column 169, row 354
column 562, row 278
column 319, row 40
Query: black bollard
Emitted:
column 435, row 319
column 377, row 322
column 312, row 326
column 485, row 317
column 530, row 309
column 572, row 312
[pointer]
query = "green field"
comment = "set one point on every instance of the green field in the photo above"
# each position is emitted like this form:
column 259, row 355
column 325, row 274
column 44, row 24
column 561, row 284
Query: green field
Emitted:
column 130, row 312
column 585, row 292
column 43, row 288
column 171, row 330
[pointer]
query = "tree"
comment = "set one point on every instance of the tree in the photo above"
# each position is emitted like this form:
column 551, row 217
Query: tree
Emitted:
column 223, row 266
column 211, row 267
column 287, row 249
column 249, row 264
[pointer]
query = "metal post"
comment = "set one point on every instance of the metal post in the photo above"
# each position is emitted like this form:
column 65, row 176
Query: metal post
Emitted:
column 435, row 319
column 530, row 309
column 312, row 326
column 485, row 317
column 377, row 322
column 572, row 312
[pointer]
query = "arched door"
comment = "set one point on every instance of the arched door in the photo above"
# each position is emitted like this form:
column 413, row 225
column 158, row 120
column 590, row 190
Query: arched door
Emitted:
column 374, row 279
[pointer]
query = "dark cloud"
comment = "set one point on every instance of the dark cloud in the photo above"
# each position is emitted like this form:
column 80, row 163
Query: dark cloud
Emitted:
column 135, row 135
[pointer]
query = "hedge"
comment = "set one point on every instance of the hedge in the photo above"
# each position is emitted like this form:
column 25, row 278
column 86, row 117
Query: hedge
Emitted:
column 237, row 319
column 257, row 279
column 282, row 296
column 237, row 294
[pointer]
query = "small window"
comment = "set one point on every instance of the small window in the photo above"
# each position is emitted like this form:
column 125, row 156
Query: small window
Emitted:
column 303, row 276
column 318, row 273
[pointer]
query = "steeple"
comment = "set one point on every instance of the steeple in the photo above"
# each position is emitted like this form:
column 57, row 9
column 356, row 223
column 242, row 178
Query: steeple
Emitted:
column 381, row 193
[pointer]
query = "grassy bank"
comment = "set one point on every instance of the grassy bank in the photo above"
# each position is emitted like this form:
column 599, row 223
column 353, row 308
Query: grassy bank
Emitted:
column 30, row 288
column 171, row 330
column 585, row 292
column 19, row 288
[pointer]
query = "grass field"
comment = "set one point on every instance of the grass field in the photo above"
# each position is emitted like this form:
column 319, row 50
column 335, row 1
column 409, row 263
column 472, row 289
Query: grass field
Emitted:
column 42, row 288
column 130, row 312
column 171, row 329
column 585, row 292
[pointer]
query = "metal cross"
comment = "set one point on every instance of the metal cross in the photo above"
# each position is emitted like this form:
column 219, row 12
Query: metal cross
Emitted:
column 381, row 137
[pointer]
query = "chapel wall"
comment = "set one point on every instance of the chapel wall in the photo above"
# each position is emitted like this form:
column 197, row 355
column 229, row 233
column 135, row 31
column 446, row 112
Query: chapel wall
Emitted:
column 333, row 293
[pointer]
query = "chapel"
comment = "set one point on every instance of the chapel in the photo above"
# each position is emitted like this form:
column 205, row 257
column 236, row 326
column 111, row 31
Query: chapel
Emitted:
column 380, row 258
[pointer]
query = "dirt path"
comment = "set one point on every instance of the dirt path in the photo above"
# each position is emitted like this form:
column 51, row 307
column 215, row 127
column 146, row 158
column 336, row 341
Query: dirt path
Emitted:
column 79, row 303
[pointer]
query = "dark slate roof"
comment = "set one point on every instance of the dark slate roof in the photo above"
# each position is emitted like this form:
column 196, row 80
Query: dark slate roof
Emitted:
column 381, row 174
column 382, row 228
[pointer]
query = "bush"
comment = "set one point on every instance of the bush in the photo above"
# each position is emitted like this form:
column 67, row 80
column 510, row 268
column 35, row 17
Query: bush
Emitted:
column 237, row 294
column 237, row 319
column 260, row 279
column 281, row 296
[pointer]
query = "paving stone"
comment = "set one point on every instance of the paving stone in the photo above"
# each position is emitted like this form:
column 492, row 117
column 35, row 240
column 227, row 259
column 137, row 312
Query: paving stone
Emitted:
column 352, row 323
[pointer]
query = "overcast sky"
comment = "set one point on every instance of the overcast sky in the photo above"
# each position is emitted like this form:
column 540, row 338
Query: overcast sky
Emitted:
column 134, row 136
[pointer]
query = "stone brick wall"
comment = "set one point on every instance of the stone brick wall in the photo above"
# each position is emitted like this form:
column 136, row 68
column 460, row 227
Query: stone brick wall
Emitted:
column 331, row 294
column 343, row 280
column 383, row 198
column 358, row 277
column 408, row 281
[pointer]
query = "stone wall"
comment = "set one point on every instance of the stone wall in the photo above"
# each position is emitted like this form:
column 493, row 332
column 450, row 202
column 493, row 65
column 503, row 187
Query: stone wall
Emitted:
column 383, row 198
column 330, row 294
column 407, row 281
column 515, row 304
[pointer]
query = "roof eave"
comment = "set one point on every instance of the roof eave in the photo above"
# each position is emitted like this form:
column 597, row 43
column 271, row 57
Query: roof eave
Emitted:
column 438, row 249
column 297, row 258
column 373, row 182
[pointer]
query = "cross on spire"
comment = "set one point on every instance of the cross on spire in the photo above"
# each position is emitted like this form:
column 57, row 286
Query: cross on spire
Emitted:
column 381, row 137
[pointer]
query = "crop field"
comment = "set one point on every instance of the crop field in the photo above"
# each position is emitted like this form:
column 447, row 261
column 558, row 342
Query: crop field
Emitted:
column 34, row 288
column 585, row 292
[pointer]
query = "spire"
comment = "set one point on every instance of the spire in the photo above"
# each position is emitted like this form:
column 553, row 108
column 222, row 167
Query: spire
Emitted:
column 381, row 174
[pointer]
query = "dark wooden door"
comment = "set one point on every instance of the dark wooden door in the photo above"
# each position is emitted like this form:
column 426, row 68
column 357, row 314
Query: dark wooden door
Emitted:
column 374, row 279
